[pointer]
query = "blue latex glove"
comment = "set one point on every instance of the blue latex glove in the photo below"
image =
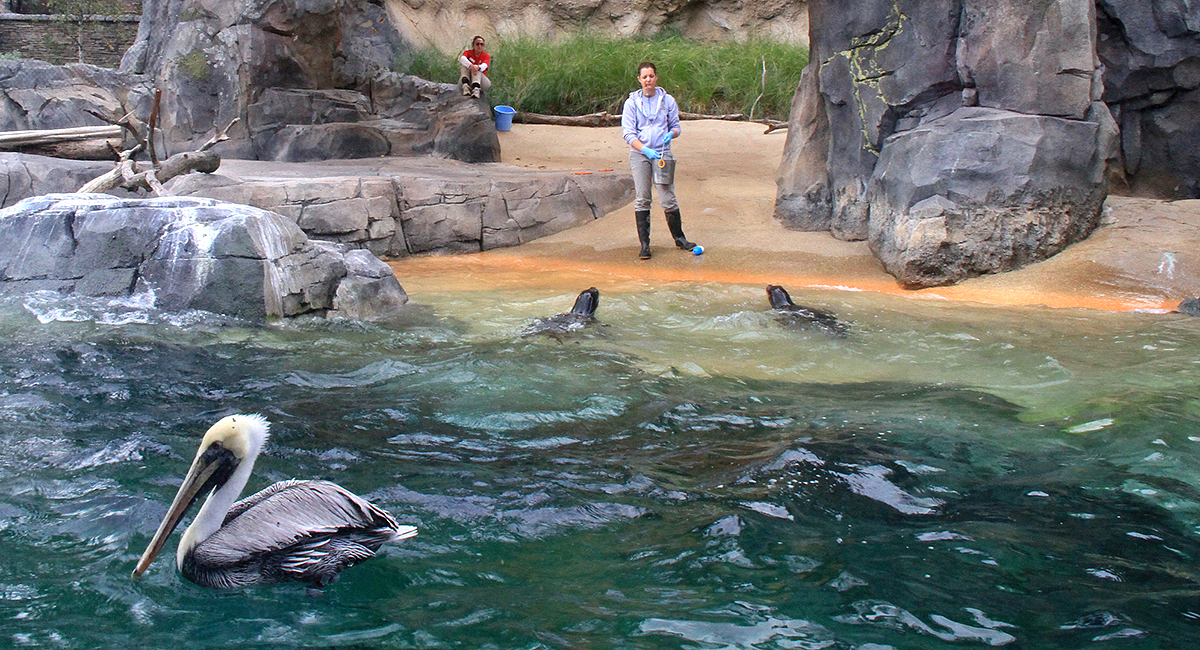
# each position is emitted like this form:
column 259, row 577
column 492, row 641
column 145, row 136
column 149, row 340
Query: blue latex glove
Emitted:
column 650, row 153
column 667, row 140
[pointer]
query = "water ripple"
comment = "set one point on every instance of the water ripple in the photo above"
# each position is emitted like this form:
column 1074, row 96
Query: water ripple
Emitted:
column 884, row 614
column 375, row 373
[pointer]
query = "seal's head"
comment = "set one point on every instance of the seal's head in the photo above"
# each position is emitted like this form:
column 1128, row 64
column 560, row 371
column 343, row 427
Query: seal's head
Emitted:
column 586, row 303
column 779, row 297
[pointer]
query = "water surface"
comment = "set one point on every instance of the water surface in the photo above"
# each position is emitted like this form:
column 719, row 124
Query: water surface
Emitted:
column 687, row 473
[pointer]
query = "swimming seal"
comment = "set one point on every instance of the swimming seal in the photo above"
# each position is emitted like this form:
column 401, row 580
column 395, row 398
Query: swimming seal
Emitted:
column 580, row 316
column 800, row 316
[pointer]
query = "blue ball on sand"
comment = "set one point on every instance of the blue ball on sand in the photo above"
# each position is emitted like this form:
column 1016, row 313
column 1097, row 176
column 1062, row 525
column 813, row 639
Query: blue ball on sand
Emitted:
column 697, row 250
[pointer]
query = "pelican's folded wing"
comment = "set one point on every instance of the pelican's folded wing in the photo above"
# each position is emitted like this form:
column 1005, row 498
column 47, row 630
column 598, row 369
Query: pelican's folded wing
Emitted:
column 287, row 515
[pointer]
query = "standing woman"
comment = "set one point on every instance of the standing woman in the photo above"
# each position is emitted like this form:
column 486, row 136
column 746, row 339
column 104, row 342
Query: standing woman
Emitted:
column 474, row 64
column 649, row 121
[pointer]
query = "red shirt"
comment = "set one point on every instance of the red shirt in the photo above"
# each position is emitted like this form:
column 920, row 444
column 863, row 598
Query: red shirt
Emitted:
column 483, row 60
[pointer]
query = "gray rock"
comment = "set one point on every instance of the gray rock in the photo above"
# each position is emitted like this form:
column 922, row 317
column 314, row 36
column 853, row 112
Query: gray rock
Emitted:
column 397, row 207
column 23, row 176
column 305, row 80
column 1151, row 56
column 308, row 80
column 187, row 253
column 958, row 138
column 1025, row 186
column 803, row 200
column 38, row 95
column 1191, row 307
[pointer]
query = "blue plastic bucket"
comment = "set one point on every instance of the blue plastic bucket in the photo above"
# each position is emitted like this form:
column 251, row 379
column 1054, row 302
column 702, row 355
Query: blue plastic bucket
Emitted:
column 504, row 115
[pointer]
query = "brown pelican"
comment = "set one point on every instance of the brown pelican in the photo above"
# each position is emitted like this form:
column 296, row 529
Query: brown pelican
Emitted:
column 293, row 530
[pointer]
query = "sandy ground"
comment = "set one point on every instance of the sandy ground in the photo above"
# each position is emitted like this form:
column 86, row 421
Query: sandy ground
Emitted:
column 1146, row 257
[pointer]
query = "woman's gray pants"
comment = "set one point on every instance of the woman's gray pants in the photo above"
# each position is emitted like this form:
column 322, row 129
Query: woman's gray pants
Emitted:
column 642, row 169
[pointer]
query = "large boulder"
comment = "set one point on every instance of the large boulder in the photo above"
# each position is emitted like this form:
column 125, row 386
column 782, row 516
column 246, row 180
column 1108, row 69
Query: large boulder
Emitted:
column 37, row 95
column 958, row 137
column 25, row 175
column 188, row 253
column 304, row 80
column 279, row 66
column 1022, row 187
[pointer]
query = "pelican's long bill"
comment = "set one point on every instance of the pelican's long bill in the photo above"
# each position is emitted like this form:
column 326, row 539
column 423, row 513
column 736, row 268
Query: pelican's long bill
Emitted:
column 212, row 467
column 305, row 530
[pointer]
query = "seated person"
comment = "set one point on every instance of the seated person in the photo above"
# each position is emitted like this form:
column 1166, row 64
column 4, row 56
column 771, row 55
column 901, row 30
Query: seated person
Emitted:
column 474, row 64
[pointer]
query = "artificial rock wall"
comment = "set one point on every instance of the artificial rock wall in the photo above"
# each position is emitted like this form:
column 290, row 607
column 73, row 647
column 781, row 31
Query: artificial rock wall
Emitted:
column 961, row 137
column 958, row 137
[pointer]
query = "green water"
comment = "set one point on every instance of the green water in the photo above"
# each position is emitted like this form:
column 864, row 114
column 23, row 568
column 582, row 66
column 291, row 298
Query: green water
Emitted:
column 686, row 474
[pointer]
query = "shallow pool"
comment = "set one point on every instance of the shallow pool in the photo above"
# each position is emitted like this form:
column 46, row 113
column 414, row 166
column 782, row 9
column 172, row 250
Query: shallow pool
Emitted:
column 687, row 473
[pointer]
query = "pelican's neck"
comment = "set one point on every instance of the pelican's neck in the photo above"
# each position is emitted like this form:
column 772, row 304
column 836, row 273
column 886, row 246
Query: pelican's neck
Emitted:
column 212, row 514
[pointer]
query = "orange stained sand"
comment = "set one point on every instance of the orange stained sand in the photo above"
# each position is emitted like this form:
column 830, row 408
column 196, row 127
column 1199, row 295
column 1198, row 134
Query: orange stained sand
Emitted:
column 510, row 268
column 725, row 182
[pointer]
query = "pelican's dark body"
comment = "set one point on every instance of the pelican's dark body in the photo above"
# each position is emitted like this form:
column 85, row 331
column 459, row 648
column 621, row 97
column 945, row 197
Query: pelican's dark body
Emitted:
column 581, row 315
column 343, row 530
column 305, row 531
column 791, row 314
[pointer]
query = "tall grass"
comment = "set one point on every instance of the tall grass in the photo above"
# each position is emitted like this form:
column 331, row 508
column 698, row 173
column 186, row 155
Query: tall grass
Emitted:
column 588, row 73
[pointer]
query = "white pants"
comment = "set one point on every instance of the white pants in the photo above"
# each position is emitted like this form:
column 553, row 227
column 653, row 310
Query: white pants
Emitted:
column 474, row 77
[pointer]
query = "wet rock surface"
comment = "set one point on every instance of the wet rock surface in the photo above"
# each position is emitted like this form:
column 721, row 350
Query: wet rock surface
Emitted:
column 188, row 253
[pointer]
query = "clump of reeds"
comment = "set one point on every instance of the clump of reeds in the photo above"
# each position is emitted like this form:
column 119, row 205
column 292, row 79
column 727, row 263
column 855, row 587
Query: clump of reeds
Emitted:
column 587, row 73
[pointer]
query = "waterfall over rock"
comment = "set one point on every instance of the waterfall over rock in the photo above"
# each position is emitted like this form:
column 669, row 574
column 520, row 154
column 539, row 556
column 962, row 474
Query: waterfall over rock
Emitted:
column 188, row 253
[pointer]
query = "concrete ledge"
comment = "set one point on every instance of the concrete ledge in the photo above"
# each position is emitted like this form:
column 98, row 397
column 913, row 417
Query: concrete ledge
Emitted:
column 393, row 207
column 399, row 207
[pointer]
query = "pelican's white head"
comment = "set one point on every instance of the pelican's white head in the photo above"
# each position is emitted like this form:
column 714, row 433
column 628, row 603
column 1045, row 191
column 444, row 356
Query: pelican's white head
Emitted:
column 243, row 435
column 221, row 468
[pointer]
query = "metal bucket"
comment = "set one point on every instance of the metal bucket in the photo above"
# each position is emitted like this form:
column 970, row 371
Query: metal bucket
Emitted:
column 664, row 171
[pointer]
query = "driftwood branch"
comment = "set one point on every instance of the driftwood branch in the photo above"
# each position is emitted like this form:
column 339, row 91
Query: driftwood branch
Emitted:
column 221, row 136
column 728, row 117
column 51, row 136
column 126, row 166
column 127, row 174
column 128, row 122
column 153, row 125
column 772, row 125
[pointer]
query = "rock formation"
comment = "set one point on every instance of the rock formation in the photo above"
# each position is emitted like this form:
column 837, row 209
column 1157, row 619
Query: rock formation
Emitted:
column 1151, row 55
column 308, row 79
column 305, row 80
column 959, row 137
column 450, row 24
column 433, row 206
column 390, row 207
column 187, row 253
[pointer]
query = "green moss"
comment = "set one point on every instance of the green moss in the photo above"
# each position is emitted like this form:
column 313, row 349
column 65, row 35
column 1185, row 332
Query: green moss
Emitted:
column 194, row 65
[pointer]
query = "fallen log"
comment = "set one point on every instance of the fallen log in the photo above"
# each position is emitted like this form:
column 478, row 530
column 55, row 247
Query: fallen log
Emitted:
column 78, row 143
column 603, row 118
column 53, row 136
column 728, row 117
